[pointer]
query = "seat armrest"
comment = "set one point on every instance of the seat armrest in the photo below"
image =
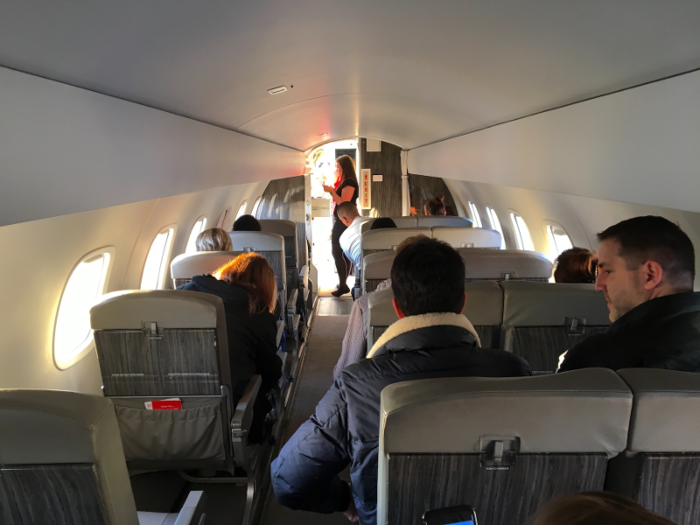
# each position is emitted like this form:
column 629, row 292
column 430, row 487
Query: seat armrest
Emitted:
column 243, row 415
column 292, row 309
column 280, row 332
column 304, row 276
column 192, row 511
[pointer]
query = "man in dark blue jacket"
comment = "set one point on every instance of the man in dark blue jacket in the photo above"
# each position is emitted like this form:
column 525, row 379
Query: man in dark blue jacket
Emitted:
column 431, row 339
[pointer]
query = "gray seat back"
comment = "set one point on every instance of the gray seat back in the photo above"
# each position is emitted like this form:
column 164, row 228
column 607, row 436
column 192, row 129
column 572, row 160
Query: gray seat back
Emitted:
column 288, row 230
column 505, row 446
column 543, row 320
column 187, row 265
column 156, row 345
column 375, row 241
column 401, row 222
column 433, row 221
column 484, row 308
column 61, row 460
column 501, row 265
column 660, row 467
column 270, row 246
column 375, row 269
column 467, row 237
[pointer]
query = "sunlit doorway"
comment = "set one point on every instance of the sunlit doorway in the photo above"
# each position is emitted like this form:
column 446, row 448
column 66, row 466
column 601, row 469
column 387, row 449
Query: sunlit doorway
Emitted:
column 321, row 161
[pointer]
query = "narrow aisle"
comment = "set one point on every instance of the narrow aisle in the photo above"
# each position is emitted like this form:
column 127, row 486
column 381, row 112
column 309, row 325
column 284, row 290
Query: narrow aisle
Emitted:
column 316, row 377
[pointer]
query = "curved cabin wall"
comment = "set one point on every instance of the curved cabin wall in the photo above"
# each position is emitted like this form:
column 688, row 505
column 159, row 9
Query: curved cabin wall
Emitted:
column 38, row 257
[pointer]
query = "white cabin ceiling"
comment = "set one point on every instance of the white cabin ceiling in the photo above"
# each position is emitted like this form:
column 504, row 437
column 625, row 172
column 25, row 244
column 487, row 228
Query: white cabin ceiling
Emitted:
column 406, row 72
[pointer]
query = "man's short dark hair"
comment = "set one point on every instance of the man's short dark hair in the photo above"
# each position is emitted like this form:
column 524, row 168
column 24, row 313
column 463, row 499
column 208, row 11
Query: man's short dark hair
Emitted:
column 652, row 238
column 382, row 222
column 246, row 223
column 347, row 208
column 427, row 276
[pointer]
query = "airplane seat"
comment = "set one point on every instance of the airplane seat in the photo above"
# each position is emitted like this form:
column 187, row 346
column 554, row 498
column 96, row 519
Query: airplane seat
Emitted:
column 401, row 222
column 660, row 465
column 484, row 264
column 484, row 308
column 171, row 348
column 272, row 247
column 432, row 221
column 61, row 461
column 467, row 237
column 295, row 259
column 187, row 265
column 376, row 268
column 505, row 446
column 543, row 320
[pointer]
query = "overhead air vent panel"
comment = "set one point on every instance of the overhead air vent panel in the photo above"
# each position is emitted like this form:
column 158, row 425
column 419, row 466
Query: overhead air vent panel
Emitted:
column 277, row 90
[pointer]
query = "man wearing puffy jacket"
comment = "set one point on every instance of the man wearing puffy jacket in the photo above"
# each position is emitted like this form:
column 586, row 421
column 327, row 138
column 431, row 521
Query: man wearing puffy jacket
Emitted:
column 431, row 339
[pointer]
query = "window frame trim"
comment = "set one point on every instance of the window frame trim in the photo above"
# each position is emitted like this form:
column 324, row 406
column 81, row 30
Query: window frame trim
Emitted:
column 161, row 284
column 89, row 343
column 519, row 241
column 206, row 219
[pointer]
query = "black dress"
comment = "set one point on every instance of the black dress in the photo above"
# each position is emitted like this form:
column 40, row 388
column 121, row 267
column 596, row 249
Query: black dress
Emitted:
column 342, row 264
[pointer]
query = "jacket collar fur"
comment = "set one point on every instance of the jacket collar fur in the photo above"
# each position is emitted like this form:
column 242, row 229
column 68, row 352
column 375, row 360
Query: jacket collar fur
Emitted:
column 415, row 322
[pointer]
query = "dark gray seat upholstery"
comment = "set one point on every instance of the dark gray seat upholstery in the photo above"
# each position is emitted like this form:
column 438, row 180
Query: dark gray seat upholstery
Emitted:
column 484, row 308
column 543, row 320
column 61, row 462
column 272, row 247
column 505, row 446
column 660, row 467
column 483, row 264
column 187, row 265
column 157, row 345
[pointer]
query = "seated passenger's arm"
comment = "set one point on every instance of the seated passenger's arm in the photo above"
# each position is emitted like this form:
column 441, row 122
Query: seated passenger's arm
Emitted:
column 305, row 475
column 354, row 345
column 591, row 352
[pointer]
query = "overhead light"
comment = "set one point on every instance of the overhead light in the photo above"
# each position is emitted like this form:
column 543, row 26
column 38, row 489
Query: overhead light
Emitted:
column 323, row 134
column 277, row 90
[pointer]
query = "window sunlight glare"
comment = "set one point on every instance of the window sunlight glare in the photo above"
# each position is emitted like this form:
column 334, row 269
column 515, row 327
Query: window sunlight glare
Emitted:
column 156, row 262
column 198, row 228
column 496, row 224
column 522, row 233
column 476, row 218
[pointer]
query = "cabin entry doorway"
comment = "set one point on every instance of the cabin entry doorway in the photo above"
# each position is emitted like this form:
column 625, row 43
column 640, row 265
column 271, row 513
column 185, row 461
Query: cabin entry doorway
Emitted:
column 321, row 162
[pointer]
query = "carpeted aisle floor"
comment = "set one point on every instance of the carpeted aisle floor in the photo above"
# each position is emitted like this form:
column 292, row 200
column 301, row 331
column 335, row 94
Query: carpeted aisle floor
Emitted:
column 323, row 350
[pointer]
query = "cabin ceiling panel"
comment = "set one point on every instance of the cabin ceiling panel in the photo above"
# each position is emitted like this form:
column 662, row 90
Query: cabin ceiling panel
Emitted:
column 65, row 150
column 462, row 65
column 637, row 146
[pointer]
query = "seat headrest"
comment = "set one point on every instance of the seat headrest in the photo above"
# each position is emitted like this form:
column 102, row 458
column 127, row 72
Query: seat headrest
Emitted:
column 468, row 237
column 378, row 265
column 432, row 221
column 49, row 426
column 381, row 309
column 278, row 226
column 186, row 265
column 547, row 304
column 389, row 238
column 257, row 242
column 130, row 309
column 584, row 411
column 666, row 413
column 482, row 263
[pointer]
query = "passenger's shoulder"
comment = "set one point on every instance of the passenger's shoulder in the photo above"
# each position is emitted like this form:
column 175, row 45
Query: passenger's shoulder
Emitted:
column 508, row 361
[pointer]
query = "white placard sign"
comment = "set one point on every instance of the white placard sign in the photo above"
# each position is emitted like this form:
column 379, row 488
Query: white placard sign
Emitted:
column 366, row 189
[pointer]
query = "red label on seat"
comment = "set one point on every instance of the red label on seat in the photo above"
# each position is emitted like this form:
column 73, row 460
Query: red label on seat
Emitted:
column 164, row 404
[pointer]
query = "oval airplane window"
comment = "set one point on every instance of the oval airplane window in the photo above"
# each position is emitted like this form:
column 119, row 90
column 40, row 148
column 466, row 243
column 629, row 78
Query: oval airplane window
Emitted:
column 256, row 206
column 72, row 338
column 476, row 218
column 496, row 224
column 156, row 266
column 241, row 209
column 522, row 233
column 559, row 239
column 198, row 228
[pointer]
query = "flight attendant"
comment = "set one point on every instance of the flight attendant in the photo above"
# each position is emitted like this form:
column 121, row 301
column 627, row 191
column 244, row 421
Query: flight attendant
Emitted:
column 345, row 189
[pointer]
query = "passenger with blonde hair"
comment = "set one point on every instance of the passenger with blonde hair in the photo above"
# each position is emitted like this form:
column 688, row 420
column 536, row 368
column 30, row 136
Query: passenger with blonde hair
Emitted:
column 595, row 508
column 248, row 289
column 214, row 240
